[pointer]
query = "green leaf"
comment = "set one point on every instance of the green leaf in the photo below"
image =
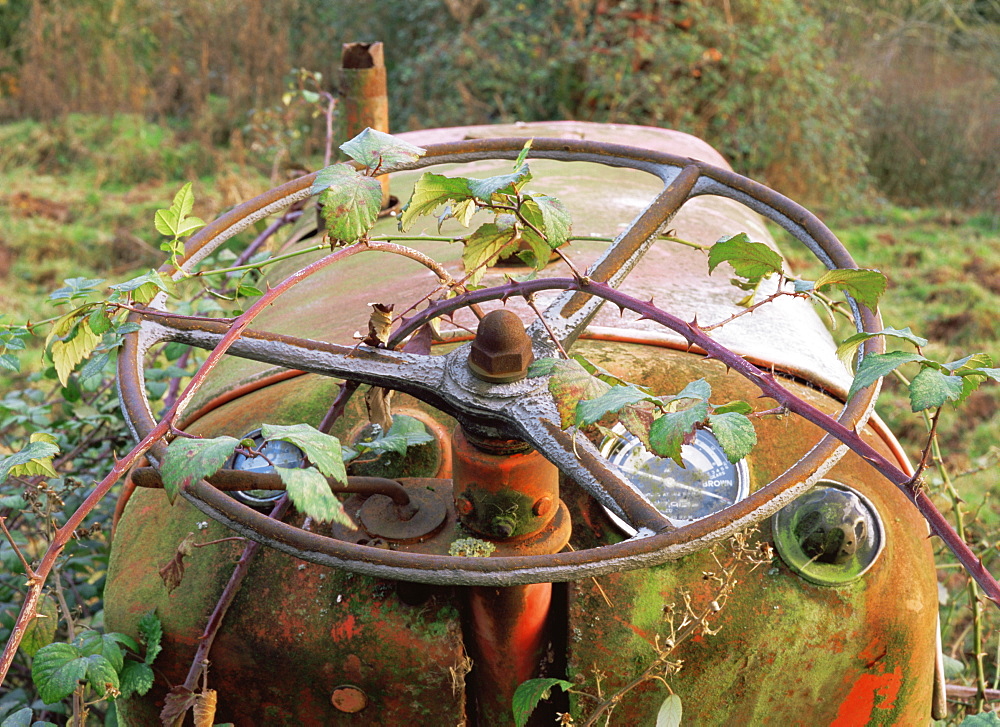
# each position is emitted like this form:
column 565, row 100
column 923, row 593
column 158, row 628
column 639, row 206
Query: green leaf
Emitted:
column 570, row 383
column 311, row 495
column 430, row 192
column 70, row 352
column 740, row 407
column 676, row 428
column 970, row 364
column 102, row 676
column 174, row 222
column 42, row 630
column 524, row 154
column 865, row 286
column 542, row 367
column 56, row 670
column 38, row 450
column 983, row 719
column 378, row 149
column 92, row 643
column 735, row 433
column 484, row 189
column 638, row 419
column 930, row 389
column 404, row 433
column 486, row 245
column 753, row 261
column 10, row 362
column 188, row 460
column 529, row 693
column 20, row 718
column 670, row 712
column 151, row 632
column 40, row 466
column 877, row 365
column 351, row 202
column 136, row 678
column 847, row 349
column 323, row 450
column 145, row 287
column 613, row 400
column 699, row 389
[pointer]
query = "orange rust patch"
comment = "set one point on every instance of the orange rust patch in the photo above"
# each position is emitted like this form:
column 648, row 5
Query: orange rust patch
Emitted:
column 857, row 708
column 346, row 629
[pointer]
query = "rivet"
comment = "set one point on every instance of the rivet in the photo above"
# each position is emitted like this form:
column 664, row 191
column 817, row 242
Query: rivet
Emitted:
column 349, row 698
column 463, row 505
column 543, row 506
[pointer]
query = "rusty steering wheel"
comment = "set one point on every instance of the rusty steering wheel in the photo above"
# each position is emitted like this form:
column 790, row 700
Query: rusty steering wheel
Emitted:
column 520, row 410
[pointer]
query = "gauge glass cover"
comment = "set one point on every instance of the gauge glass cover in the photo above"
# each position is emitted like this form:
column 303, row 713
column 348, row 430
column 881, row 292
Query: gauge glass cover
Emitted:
column 280, row 454
column 707, row 483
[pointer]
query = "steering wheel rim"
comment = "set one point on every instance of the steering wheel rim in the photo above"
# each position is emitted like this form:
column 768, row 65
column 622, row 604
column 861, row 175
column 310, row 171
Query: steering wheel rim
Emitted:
column 683, row 179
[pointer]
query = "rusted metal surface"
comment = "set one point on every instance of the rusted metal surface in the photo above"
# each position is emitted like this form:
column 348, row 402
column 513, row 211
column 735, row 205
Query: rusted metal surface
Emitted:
column 363, row 95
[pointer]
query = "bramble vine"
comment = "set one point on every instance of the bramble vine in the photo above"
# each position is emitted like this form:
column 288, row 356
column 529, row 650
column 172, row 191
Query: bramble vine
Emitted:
column 532, row 226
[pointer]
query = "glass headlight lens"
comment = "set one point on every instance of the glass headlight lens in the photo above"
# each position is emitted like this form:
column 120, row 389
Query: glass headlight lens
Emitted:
column 280, row 454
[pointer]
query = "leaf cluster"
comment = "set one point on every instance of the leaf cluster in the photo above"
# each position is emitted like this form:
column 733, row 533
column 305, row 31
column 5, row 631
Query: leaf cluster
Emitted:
column 528, row 225
column 585, row 394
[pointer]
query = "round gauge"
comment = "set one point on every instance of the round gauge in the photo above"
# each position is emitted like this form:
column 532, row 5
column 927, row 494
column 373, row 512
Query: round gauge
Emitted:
column 275, row 453
column 707, row 483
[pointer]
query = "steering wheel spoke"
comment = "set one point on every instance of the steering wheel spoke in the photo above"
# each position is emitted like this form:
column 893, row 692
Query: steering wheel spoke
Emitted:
column 568, row 316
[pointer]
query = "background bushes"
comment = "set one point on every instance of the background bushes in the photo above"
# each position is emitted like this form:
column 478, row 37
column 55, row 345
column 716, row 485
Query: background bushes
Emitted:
column 812, row 97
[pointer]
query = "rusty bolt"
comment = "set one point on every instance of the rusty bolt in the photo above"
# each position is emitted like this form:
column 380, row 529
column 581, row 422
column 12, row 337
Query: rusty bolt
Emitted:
column 463, row 505
column 349, row 698
column 543, row 506
column 501, row 352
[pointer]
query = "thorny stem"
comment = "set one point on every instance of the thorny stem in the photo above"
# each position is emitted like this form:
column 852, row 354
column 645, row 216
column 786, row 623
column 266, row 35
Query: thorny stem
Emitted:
column 766, row 382
column 541, row 318
column 931, row 439
column 751, row 309
column 29, row 607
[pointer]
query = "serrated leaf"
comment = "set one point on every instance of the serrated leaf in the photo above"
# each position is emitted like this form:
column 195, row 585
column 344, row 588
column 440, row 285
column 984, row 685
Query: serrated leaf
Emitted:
column 323, row 450
column 953, row 668
column 176, row 704
column 877, row 365
column 865, row 286
column 676, row 428
column 183, row 201
column 550, row 216
column 99, row 321
column 735, row 432
column 670, row 712
column 170, row 222
column 931, row 389
column 144, row 288
column 699, row 389
column 102, row 676
column 487, row 245
column 971, row 364
column 523, row 155
column 10, row 362
column 42, row 630
column 188, row 460
column 613, row 400
column 847, row 349
column 92, row 643
column 136, row 678
column 204, row 708
column 570, row 383
column 753, row 261
column 173, row 572
column 638, row 419
column 33, row 451
column 351, row 202
column 67, row 354
column 40, row 466
column 189, row 225
column 377, row 149
column 542, row 367
column 151, row 632
column 484, row 189
column 311, row 495
column 165, row 222
column 56, row 670
column 430, row 192
column 529, row 693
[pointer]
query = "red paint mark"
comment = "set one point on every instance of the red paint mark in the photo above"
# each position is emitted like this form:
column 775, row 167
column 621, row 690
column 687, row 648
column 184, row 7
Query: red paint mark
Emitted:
column 346, row 629
column 857, row 708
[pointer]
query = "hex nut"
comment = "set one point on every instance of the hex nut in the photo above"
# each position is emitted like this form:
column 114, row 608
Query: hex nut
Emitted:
column 501, row 352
